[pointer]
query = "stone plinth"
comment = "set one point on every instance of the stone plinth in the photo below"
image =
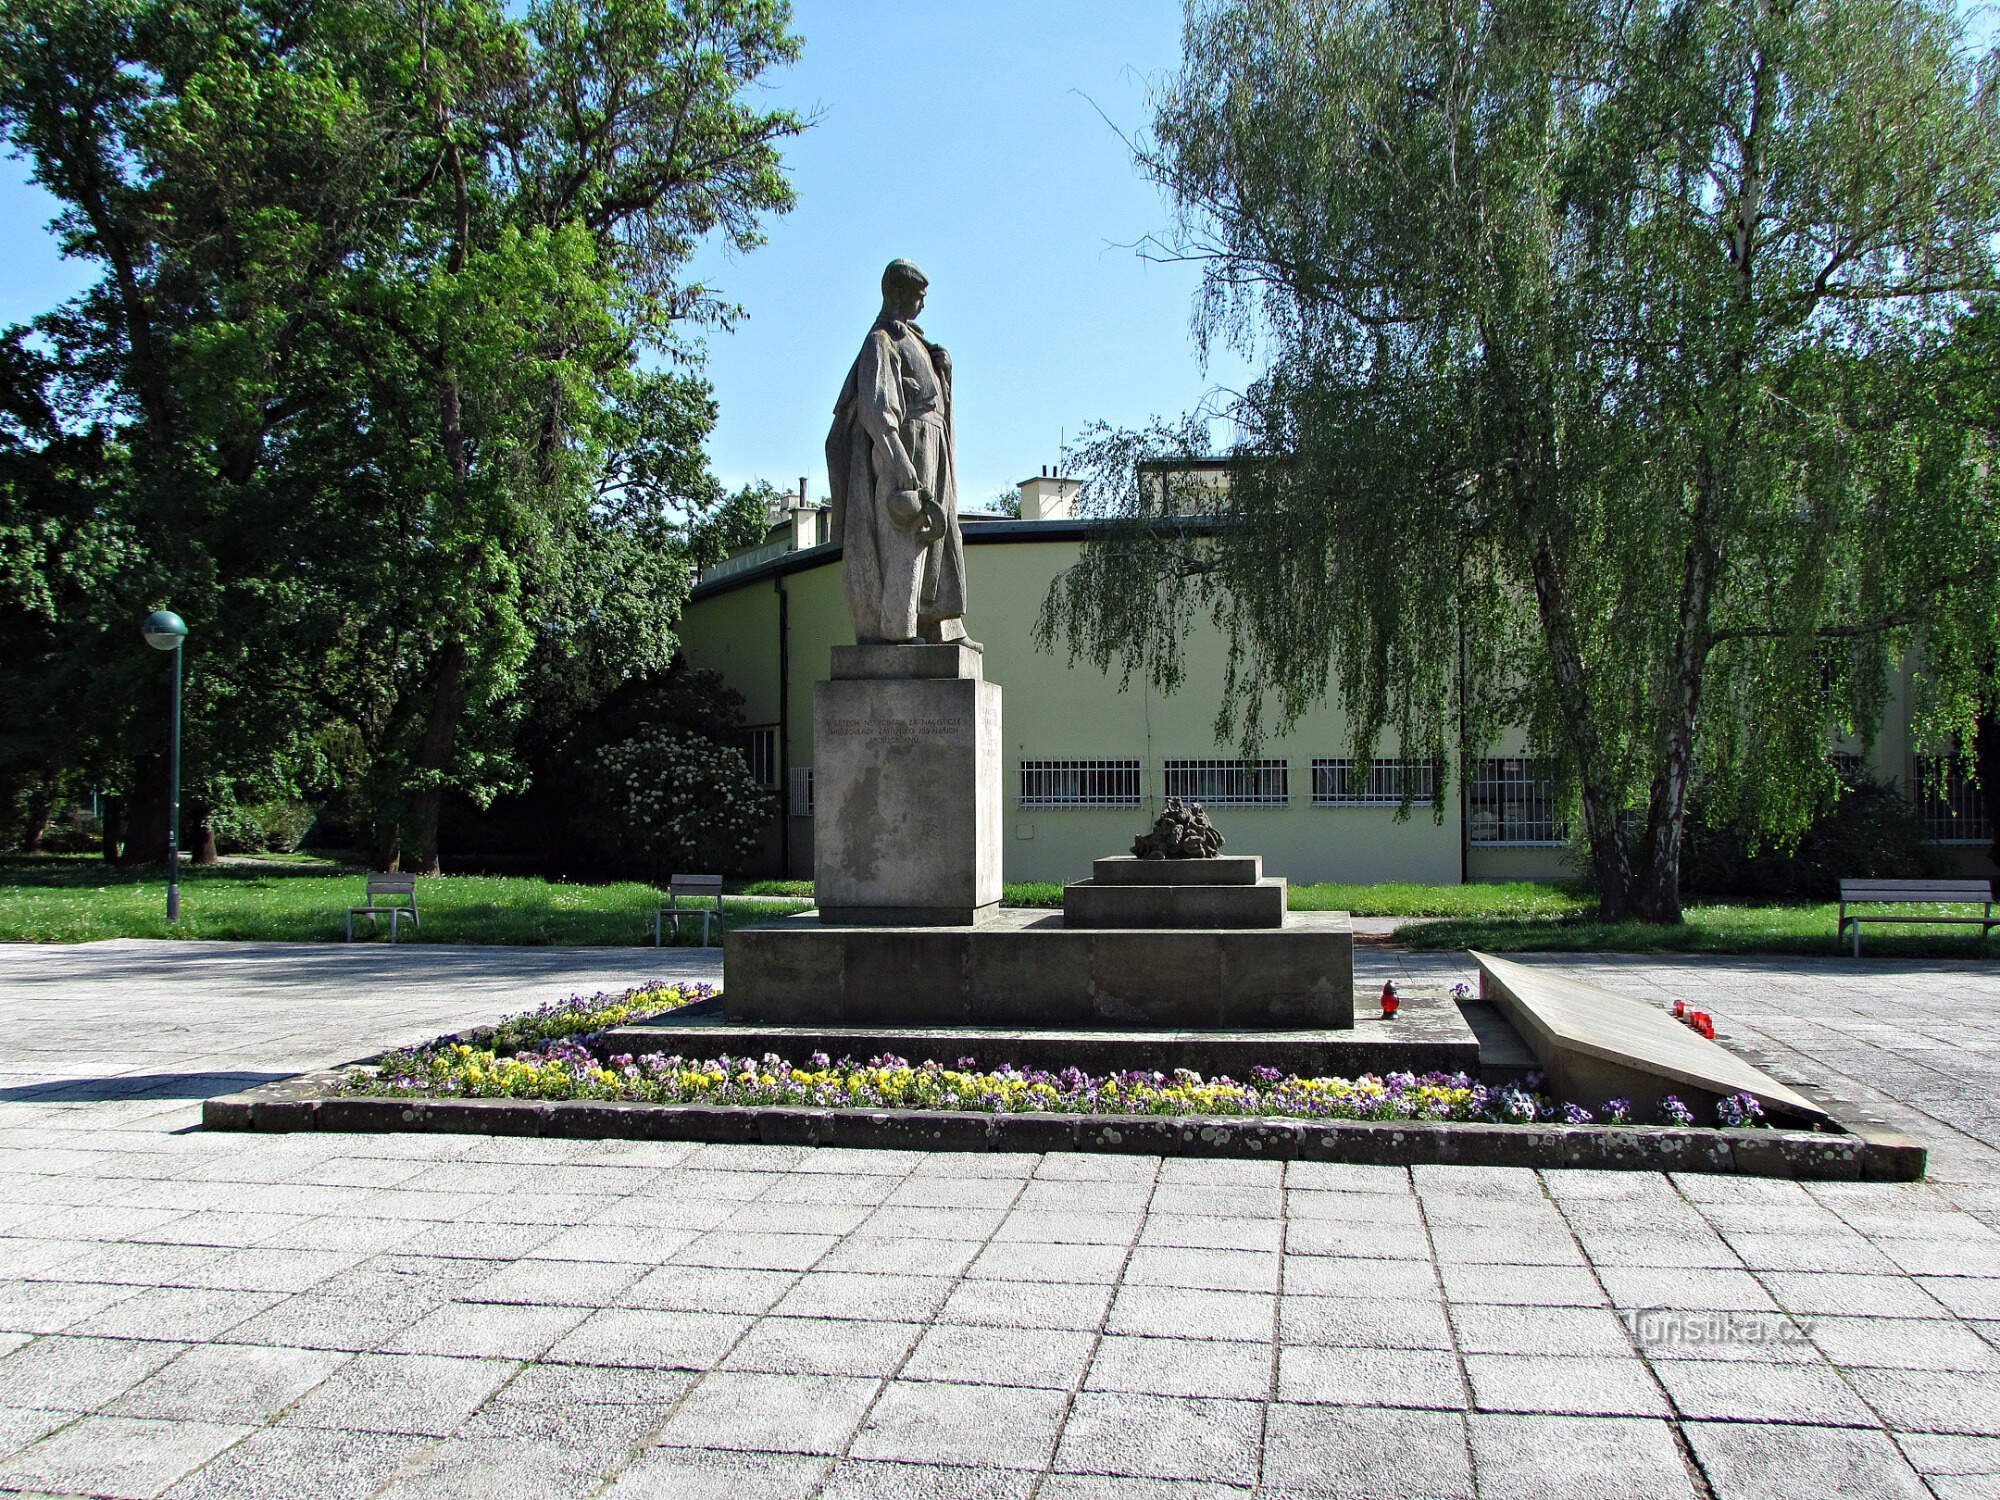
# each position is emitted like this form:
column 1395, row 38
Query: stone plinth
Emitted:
column 1224, row 869
column 906, row 788
column 1086, row 903
column 1030, row 969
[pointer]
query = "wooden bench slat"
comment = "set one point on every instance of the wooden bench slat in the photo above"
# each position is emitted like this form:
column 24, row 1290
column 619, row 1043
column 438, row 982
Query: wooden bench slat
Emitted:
column 1917, row 890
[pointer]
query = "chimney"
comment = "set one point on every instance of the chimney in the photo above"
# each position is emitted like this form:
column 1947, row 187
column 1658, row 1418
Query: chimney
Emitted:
column 1049, row 497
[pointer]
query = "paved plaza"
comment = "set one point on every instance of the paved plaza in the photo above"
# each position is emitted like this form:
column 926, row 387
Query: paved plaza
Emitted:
column 201, row 1314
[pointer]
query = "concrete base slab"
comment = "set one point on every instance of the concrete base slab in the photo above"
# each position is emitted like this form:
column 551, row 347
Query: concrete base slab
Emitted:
column 1429, row 1034
column 1029, row 969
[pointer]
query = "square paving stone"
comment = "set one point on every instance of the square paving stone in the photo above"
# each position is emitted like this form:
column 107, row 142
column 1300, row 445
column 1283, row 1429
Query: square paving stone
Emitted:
column 762, row 1217
column 498, row 1329
column 1325, row 1373
column 1490, row 1246
column 1401, row 1211
column 183, row 1313
column 1903, row 1343
column 684, row 1474
column 926, row 1422
column 1705, row 1289
column 848, row 1294
column 1719, row 1390
column 708, row 1289
column 1162, row 1437
column 955, row 1192
column 117, row 1456
column 311, row 1320
column 1047, row 1357
column 760, row 1251
column 1582, row 1386
column 1351, row 1238
column 1037, row 1260
column 567, row 1283
column 229, row 1383
column 1759, row 1462
column 1346, row 1177
column 1366, row 1453
column 1969, row 1297
column 1264, row 1235
column 1358, row 1276
column 1932, row 1400
column 867, row 1479
column 52, row 1306
column 1578, row 1458
column 814, row 1346
column 79, row 1374
column 761, row 1413
column 1026, row 1304
column 873, row 1255
column 1215, row 1270
column 1182, row 1313
column 649, row 1339
column 507, row 1468
column 1494, row 1329
column 1181, row 1367
column 641, row 1244
column 22, row 1425
column 1777, row 1251
column 1061, row 1227
column 1387, row 1323
column 1839, row 1294
column 1124, row 1487
column 1521, row 1286
column 409, row 1393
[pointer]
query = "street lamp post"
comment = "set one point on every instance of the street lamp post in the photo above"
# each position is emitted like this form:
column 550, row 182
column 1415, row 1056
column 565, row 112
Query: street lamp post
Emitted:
column 164, row 631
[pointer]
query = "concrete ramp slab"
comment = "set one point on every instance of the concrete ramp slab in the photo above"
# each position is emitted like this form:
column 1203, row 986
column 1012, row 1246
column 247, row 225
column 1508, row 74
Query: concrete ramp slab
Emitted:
column 1596, row 1045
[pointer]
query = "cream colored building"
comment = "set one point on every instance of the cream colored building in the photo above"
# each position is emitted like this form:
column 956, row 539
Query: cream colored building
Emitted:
column 1087, row 766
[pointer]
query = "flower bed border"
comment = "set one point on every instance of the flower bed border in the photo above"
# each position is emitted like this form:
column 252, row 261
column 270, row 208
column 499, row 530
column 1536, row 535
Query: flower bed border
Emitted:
column 315, row 1101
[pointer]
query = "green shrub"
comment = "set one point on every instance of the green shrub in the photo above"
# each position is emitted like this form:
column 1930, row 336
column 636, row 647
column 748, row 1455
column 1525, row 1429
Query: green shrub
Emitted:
column 1870, row 832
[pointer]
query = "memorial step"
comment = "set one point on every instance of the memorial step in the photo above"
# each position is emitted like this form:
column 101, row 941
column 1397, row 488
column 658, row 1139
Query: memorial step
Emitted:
column 1086, row 903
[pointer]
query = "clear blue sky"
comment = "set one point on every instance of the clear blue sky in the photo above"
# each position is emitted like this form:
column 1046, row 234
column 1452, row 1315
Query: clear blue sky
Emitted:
column 966, row 137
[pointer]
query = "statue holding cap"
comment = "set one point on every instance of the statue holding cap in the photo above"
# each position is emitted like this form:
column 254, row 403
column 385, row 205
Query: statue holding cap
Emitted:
column 892, row 475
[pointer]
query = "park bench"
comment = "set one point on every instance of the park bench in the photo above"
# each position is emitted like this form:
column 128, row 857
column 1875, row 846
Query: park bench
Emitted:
column 689, row 896
column 1901, row 892
column 400, row 901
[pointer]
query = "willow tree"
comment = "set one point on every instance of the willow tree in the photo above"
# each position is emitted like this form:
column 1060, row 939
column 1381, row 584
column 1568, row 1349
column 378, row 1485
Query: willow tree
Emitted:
column 1601, row 349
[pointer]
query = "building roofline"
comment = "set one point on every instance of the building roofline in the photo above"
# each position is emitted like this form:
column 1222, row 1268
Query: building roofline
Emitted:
column 983, row 534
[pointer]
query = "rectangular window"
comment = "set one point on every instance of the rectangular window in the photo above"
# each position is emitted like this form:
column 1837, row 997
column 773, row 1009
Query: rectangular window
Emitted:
column 1952, row 808
column 1230, row 783
column 1337, row 782
column 1848, row 766
column 760, row 749
column 1079, row 783
column 802, row 791
column 1514, row 802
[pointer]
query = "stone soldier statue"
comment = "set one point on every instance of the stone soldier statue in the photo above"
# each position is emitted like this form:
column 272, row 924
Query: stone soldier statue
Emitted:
column 893, row 476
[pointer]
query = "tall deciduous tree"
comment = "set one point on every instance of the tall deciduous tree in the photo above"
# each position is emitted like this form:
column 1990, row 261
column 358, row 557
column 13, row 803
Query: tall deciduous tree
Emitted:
column 1603, row 380
column 377, row 283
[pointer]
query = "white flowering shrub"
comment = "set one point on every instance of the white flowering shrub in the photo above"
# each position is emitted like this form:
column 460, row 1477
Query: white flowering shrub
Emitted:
column 677, row 798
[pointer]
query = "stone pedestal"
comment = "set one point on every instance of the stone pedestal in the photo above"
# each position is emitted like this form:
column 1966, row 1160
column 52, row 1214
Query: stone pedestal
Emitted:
column 906, row 788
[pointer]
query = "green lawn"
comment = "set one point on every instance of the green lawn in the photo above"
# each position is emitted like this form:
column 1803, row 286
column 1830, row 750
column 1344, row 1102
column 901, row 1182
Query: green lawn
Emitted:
column 58, row 900
column 302, row 899
column 1710, row 927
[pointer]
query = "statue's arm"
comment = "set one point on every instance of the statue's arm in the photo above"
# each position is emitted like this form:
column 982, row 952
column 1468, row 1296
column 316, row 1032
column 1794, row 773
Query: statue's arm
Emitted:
column 879, row 408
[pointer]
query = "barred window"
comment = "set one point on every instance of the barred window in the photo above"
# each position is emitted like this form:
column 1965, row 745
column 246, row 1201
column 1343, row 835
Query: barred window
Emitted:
column 760, row 749
column 802, row 791
column 1337, row 782
column 1848, row 766
column 1953, row 809
column 1514, row 802
column 1079, row 783
column 1230, row 783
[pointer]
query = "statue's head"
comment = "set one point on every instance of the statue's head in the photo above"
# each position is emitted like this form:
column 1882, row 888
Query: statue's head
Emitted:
column 903, row 287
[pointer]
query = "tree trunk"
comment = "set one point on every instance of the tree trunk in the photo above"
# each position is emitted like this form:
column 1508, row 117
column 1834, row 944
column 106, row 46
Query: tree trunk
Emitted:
column 41, row 802
column 111, row 825
column 434, row 754
column 200, row 820
column 385, row 846
column 1986, row 757
column 146, row 827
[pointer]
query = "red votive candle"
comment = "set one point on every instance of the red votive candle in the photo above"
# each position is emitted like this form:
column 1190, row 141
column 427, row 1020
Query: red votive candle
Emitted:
column 1389, row 1000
